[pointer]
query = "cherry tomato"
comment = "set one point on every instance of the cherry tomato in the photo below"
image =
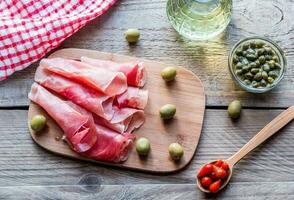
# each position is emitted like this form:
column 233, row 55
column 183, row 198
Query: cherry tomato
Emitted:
column 214, row 187
column 218, row 163
column 206, row 181
column 213, row 176
column 219, row 172
column 225, row 166
column 205, row 170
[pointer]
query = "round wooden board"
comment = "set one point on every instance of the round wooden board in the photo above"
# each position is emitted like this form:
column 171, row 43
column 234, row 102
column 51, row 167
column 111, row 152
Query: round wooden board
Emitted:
column 186, row 92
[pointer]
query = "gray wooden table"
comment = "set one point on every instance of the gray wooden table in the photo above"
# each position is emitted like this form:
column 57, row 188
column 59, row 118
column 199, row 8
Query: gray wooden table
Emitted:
column 29, row 172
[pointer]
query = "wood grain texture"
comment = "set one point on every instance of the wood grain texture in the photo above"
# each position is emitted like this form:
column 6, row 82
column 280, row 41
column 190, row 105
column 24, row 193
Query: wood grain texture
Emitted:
column 244, row 191
column 23, row 163
column 160, row 42
column 184, row 128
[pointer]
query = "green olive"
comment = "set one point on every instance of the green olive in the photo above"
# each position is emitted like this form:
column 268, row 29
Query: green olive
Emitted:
column 169, row 73
column 142, row 146
column 167, row 111
column 234, row 109
column 132, row 35
column 38, row 122
column 176, row 151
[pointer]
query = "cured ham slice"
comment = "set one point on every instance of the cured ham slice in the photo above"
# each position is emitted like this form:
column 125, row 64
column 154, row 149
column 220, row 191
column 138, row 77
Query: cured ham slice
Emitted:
column 78, row 124
column 110, row 146
column 86, row 97
column 135, row 72
column 106, row 81
column 133, row 97
column 124, row 120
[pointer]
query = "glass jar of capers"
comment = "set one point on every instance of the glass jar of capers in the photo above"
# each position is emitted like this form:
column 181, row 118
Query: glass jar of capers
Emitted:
column 257, row 64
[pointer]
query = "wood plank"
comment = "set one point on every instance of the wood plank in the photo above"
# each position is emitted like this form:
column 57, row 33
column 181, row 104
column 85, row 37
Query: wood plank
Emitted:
column 160, row 42
column 246, row 191
column 22, row 163
column 189, row 116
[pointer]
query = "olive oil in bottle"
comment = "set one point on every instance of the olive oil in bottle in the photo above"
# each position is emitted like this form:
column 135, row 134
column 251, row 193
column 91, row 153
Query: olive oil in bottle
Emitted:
column 199, row 19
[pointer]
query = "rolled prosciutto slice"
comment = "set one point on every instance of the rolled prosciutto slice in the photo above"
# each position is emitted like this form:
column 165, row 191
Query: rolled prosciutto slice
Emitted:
column 110, row 146
column 135, row 72
column 103, row 80
column 124, row 120
column 86, row 97
column 78, row 124
column 133, row 97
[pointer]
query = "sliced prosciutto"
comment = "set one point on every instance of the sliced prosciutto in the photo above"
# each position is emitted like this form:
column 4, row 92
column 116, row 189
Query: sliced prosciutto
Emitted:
column 133, row 97
column 124, row 120
column 103, row 80
column 110, row 146
column 86, row 97
column 78, row 124
column 135, row 72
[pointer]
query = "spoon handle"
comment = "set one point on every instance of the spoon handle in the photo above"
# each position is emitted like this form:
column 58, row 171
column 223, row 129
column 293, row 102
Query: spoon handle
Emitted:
column 274, row 126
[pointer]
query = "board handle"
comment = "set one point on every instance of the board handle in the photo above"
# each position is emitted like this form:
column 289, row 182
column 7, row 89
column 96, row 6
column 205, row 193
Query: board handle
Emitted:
column 274, row 126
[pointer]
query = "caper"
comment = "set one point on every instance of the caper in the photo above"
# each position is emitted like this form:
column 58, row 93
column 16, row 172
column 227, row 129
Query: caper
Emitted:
column 266, row 67
column 234, row 109
column 259, row 44
column 260, row 51
column 264, row 75
column 247, row 82
column 253, row 44
column 169, row 73
column 273, row 74
column 255, row 84
column 278, row 65
column 263, row 83
column 235, row 58
column 239, row 72
column 252, row 65
column 258, row 76
column 257, row 63
column 267, row 50
column 271, row 63
column 245, row 46
column 239, row 51
column 250, row 51
column 270, row 79
column 245, row 69
column 251, row 57
column 239, row 65
column 276, row 58
column 248, row 75
column 132, row 35
column 244, row 61
column 143, row 146
column 244, row 53
column 176, row 151
column 167, row 111
column 261, row 59
column 254, row 70
column 38, row 122
column 268, row 57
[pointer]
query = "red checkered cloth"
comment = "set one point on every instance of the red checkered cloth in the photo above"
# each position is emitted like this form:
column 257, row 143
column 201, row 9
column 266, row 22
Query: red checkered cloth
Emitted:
column 31, row 28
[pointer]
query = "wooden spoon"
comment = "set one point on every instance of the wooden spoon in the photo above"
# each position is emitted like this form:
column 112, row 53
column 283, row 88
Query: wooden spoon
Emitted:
column 274, row 126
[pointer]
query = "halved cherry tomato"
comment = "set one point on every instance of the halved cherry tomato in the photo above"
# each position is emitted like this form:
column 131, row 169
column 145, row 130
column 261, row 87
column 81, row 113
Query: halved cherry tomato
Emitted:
column 225, row 166
column 206, row 181
column 218, row 163
column 205, row 170
column 219, row 172
column 214, row 187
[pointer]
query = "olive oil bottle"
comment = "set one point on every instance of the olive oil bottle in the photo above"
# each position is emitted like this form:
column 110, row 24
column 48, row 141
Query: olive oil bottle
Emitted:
column 199, row 19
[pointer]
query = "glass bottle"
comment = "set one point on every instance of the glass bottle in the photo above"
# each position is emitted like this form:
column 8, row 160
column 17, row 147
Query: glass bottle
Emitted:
column 199, row 19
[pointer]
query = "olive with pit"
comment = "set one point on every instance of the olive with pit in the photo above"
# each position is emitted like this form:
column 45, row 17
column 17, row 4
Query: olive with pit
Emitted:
column 142, row 146
column 38, row 122
column 234, row 109
column 176, row 151
column 167, row 111
column 132, row 35
column 169, row 73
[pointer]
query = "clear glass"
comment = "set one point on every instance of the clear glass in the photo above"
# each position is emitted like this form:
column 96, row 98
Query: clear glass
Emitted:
column 199, row 19
column 277, row 50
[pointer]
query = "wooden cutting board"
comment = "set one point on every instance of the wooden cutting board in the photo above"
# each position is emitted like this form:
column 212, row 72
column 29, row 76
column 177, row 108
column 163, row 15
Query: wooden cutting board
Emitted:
column 186, row 92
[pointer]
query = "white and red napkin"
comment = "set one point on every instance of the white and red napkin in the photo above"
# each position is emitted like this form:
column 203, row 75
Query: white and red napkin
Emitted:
column 31, row 28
